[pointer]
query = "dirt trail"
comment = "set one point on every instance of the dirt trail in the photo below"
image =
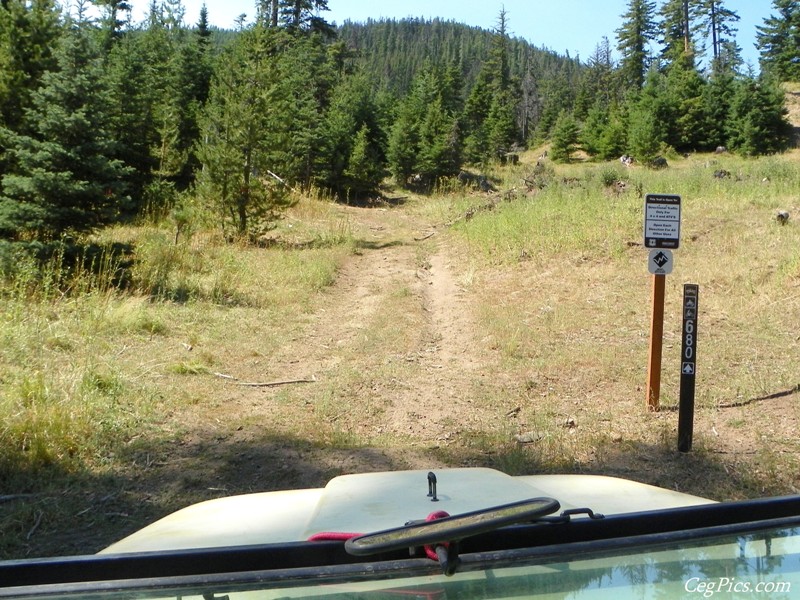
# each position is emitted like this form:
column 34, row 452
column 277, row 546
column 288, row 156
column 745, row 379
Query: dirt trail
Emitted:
column 391, row 344
column 399, row 269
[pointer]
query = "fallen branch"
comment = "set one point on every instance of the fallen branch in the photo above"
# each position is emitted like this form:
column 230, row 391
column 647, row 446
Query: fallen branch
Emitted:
column 223, row 376
column 491, row 204
column 425, row 237
column 277, row 383
column 235, row 381
column 276, row 177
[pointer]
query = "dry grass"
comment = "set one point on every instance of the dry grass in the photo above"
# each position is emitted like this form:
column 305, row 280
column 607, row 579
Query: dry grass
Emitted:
column 114, row 414
column 572, row 319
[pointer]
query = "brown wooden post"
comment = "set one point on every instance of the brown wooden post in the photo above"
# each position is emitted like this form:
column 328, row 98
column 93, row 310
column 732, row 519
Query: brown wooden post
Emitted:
column 656, row 343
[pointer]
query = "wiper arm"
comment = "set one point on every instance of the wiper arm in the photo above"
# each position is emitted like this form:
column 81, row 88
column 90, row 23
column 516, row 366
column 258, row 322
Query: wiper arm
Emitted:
column 440, row 532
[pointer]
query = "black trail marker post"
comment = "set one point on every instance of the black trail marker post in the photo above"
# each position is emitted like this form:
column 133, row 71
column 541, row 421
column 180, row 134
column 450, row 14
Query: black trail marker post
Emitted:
column 688, row 367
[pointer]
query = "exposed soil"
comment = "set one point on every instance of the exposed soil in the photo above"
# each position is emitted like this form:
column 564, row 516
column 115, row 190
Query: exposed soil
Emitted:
column 414, row 388
column 408, row 399
column 391, row 370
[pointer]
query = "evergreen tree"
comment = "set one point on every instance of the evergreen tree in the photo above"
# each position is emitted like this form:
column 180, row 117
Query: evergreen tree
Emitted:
column 115, row 15
column 502, row 134
column 598, row 82
column 643, row 134
column 364, row 171
column 160, row 78
column 131, row 106
column 194, row 71
column 490, row 116
column 299, row 94
column 558, row 94
column 758, row 118
column 649, row 116
column 565, row 138
column 403, row 146
column 718, row 22
column 476, row 111
column 679, row 31
column 594, row 125
column 633, row 39
column 28, row 33
column 425, row 139
column 687, row 129
column 238, row 179
column 64, row 178
column 778, row 41
column 440, row 144
column 614, row 138
column 717, row 97
column 352, row 156
column 530, row 107
column 303, row 15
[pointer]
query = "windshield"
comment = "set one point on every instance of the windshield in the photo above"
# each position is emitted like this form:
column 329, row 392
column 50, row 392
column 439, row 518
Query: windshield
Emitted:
column 762, row 564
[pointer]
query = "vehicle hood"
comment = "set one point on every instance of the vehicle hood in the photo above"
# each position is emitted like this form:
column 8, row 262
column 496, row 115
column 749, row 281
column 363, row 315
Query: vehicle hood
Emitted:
column 363, row 503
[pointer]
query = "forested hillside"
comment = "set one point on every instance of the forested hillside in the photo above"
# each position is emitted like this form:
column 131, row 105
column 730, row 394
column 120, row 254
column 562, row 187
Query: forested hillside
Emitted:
column 102, row 119
column 392, row 52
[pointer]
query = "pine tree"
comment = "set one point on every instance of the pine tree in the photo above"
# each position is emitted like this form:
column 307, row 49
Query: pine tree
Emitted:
column 633, row 39
column 718, row 22
column 403, row 147
column 686, row 130
column 614, row 138
column 303, row 15
column 565, row 138
column 115, row 15
column 131, row 103
column 160, row 77
column 238, row 179
column 64, row 178
column 649, row 118
column 476, row 111
column 679, row 31
column 643, row 134
column 28, row 33
column 440, row 145
column 758, row 123
column 299, row 94
column 491, row 112
column 598, row 83
column 502, row 134
column 425, row 140
column 717, row 97
column 778, row 41
column 352, row 140
column 364, row 170
column 530, row 107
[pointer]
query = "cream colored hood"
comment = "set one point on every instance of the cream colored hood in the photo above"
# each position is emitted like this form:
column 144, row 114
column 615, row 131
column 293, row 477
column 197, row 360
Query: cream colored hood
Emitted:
column 369, row 502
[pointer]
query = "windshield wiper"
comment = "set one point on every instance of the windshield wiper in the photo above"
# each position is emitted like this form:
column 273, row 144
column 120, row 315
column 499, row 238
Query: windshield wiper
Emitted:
column 443, row 534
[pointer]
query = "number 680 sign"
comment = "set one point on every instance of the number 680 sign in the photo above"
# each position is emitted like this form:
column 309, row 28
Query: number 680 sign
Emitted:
column 688, row 353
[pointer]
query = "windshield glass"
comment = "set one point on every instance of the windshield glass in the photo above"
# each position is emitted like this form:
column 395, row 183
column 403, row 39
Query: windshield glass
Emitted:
column 763, row 564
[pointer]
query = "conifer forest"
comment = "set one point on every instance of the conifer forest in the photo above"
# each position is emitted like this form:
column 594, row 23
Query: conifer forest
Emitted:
column 103, row 119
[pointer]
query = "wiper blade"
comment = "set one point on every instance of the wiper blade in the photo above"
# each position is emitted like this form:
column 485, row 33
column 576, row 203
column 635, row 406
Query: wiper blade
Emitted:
column 451, row 529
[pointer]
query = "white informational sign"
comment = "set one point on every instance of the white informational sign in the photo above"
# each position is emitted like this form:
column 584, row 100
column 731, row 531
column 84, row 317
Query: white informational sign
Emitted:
column 660, row 262
column 662, row 221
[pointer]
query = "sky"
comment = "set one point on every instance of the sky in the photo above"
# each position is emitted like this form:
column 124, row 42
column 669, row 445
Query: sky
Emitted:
column 574, row 26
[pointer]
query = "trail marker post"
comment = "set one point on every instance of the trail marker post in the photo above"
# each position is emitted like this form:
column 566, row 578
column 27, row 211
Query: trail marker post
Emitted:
column 662, row 228
column 691, row 293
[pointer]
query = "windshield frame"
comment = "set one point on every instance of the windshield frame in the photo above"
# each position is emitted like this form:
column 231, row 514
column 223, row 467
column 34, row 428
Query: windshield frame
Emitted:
column 327, row 562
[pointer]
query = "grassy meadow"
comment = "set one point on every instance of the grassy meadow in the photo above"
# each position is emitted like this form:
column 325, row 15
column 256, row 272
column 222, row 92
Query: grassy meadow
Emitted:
column 92, row 375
